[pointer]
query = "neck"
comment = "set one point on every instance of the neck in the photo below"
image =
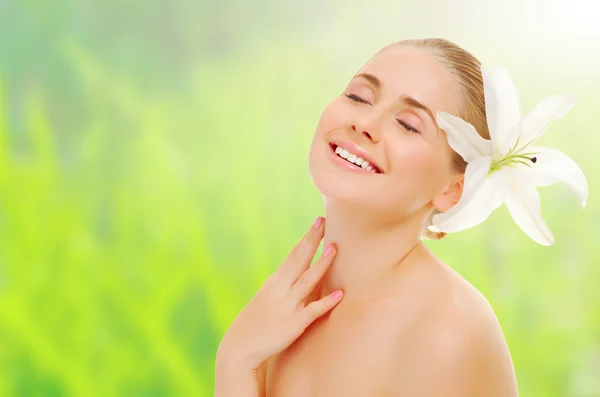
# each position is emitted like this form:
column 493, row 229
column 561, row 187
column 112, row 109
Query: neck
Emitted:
column 370, row 251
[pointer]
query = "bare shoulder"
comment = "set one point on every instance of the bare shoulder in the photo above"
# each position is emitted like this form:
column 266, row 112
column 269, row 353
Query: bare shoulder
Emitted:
column 455, row 346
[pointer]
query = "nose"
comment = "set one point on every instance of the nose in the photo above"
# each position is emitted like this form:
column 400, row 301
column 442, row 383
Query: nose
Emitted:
column 368, row 125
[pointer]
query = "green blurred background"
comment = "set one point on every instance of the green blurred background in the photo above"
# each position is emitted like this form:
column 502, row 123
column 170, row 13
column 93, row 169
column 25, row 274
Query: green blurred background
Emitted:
column 153, row 172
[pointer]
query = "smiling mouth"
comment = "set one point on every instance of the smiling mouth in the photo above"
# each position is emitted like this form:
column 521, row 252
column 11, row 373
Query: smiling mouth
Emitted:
column 353, row 159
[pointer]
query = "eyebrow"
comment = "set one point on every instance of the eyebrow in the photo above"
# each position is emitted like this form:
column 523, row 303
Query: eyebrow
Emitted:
column 404, row 98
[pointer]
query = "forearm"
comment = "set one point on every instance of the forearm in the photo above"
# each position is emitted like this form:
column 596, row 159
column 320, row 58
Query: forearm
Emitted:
column 232, row 380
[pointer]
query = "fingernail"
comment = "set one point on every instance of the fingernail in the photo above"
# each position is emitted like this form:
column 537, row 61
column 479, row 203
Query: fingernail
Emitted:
column 318, row 222
column 337, row 294
column 328, row 250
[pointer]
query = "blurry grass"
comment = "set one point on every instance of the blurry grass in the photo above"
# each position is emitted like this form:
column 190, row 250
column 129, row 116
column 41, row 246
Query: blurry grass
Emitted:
column 125, row 254
column 90, row 291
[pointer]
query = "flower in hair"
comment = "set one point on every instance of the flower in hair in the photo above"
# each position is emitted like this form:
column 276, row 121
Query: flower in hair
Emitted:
column 507, row 169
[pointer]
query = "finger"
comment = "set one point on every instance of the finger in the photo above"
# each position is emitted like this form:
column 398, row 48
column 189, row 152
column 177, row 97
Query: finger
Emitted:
column 296, row 247
column 317, row 308
column 302, row 254
column 309, row 279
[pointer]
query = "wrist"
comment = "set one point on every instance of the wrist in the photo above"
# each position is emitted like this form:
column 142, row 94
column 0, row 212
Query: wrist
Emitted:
column 235, row 363
column 235, row 368
column 235, row 379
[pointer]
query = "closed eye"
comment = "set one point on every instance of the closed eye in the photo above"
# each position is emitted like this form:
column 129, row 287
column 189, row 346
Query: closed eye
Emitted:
column 402, row 123
column 408, row 126
column 356, row 98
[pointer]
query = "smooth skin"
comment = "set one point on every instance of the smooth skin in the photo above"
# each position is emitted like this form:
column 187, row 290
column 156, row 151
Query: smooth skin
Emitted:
column 408, row 325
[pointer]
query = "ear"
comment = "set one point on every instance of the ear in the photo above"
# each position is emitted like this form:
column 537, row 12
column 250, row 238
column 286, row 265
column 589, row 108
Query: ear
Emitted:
column 450, row 196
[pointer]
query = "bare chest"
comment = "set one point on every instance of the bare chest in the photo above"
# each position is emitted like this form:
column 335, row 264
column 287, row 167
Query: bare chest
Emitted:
column 350, row 355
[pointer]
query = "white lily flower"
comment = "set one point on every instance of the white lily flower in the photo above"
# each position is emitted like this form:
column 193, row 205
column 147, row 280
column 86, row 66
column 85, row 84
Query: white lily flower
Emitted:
column 507, row 169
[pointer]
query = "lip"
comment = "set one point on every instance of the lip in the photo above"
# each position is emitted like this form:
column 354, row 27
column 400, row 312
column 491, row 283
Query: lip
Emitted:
column 357, row 150
column 346, row 164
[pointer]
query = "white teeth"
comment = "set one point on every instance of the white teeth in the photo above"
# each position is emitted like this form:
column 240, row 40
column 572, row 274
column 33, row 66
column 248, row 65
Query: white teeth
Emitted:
column 351, row 157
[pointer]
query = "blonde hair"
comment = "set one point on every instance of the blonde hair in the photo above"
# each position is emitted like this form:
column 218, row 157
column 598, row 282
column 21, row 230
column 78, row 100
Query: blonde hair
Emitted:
column 465, row 69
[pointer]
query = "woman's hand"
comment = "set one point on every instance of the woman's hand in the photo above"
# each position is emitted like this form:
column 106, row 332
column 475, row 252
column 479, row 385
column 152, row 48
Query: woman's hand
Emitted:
column 276, row 316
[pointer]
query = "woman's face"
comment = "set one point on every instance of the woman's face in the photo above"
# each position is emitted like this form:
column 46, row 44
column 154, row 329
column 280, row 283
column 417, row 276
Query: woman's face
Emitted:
column 386, row 114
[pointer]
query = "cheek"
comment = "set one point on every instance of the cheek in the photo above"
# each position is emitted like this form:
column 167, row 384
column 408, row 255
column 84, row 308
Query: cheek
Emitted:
column 420, row 165
column 333, row 117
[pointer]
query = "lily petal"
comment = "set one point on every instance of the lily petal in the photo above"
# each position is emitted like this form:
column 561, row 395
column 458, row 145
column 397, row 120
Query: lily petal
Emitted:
column 501, row 105
column 463, row 138
column 524, row 206
column 552, row 108
column 482, row 194
column 553, row 166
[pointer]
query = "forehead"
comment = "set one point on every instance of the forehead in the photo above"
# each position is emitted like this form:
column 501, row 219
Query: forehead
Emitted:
column 408, row 70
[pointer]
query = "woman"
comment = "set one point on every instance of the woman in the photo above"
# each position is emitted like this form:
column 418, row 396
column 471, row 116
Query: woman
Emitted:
column 407, row 324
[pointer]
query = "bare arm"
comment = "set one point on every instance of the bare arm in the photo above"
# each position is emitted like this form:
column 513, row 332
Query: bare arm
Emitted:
column 232, row 380
column 262, row 380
